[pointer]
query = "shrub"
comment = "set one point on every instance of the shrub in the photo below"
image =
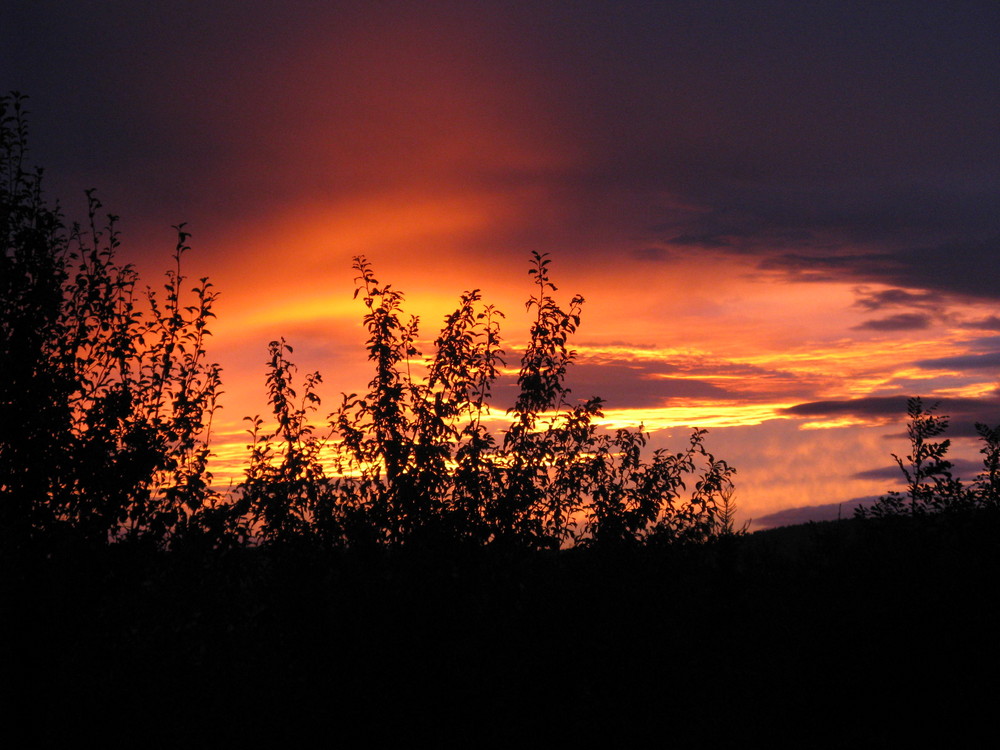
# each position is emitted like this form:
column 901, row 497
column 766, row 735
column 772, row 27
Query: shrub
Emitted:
column 930, row 486
column 107, row 399
column 414, row 460
column 106, row 396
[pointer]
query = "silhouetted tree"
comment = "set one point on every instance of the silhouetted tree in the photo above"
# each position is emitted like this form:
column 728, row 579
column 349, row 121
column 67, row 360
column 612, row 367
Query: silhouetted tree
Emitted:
column 414, row 458
column 35, row 379
column 106, row 396
column 987, row 485
column 930, row 486
column 284, row 480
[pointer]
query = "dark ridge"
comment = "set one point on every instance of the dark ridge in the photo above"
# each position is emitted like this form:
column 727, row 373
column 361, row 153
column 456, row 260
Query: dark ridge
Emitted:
column 822, row 632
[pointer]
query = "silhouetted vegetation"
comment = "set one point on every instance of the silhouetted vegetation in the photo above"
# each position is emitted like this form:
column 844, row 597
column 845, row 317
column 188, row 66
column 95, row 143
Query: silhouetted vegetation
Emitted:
column 106, row 396
column 108, row 399
column 930, row 485
column 415, row 460
column 392, row 570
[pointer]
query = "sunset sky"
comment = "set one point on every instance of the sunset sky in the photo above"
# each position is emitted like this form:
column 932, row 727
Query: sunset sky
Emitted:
column 783, row 216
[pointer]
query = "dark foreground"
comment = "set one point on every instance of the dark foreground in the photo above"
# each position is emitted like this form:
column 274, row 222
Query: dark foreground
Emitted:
column 837, row 634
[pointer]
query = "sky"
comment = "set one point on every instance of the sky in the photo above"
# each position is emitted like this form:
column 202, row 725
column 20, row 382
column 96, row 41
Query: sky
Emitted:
column 783, row 216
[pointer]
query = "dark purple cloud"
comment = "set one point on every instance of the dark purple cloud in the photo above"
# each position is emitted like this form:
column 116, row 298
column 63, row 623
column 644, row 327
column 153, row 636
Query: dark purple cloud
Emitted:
column 962, row 413
column 793, row 132
column 899, row 322
column 984, row 344
column 624, row 385
column 886, row 473
column 873, row 406
column 966, row 362
column 822, row 267
column 990, row 323
column 879, row 300
column 886, row 405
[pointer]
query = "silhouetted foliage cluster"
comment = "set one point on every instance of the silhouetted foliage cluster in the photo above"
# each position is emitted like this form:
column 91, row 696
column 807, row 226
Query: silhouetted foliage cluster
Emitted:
column 415, row 460
column 106, row 402
column 106, row 396
column 930, row 485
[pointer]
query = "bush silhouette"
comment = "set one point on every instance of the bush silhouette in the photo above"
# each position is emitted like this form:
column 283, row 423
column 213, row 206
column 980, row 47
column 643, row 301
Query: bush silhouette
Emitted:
column 413, row 459
column 930, row 486
column 106, row 395
column 107, row 398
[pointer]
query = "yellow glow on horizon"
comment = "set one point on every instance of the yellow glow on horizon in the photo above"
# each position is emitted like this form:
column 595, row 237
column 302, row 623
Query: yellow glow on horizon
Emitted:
column 844, row 421
column 691, row 415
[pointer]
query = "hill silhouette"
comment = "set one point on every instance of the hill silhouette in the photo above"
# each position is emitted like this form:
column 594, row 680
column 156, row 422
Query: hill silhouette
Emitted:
column 835, row 634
